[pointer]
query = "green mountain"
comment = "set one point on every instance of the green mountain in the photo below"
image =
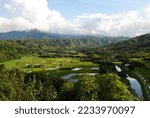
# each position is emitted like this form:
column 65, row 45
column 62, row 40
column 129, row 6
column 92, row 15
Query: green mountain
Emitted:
column 12, row 49
column 137, row 44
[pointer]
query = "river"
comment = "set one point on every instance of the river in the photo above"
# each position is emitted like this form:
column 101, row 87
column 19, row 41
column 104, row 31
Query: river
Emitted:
column 135, row 85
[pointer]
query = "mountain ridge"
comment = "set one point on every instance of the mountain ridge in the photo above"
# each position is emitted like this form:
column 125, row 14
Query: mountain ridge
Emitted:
column 37, row 34
column 29, row 33
column 136, row 44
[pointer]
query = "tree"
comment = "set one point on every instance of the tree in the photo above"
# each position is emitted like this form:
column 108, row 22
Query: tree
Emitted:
column 112, row 89
column 7, row 91
column 106, row 67
column 87, row 88
column 67, row 92
column 40, row 87
column 11, row 84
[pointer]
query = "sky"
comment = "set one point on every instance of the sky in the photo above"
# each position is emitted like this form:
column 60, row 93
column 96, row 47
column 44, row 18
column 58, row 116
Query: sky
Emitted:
column 84, row 17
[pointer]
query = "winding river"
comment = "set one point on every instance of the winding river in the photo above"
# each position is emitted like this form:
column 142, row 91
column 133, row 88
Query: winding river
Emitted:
column 136, row 86
column 134, row 83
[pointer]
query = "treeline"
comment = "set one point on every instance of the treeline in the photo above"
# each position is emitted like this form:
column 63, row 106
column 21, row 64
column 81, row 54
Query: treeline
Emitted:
column 18, row 86
column 12, row 49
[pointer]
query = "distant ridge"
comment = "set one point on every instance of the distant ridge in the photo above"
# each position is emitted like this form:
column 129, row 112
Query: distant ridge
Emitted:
column 139, row 43
column 33, row 34
column 37, row 34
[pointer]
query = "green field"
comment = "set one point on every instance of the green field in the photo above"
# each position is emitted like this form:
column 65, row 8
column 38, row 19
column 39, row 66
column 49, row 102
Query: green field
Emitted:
column 48, row 62
column 53, row 66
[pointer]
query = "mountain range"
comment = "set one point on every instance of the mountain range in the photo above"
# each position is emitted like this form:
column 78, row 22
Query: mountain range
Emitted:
column 33, row 34
column 36, row 34
column 114, row 43
column 16, row 44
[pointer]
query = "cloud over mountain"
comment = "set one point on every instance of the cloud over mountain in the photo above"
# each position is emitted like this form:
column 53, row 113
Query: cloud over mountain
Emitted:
column 29, row 14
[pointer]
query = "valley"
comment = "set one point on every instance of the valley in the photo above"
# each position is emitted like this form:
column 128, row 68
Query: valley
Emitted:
column 75, row 69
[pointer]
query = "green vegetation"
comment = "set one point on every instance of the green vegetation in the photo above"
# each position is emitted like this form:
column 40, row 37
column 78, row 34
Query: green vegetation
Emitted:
column 87, row 89
column 30, row 62
column 73, row 69
column 16, row 85
column 112, row 89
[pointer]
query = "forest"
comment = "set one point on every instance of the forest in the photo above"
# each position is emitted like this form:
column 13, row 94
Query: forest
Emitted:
column 74, row 69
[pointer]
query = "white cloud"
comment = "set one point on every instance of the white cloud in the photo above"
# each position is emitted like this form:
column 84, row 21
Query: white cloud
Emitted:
column 38, row 15
column 124, row 24
column 15, row 24
column 29, row 14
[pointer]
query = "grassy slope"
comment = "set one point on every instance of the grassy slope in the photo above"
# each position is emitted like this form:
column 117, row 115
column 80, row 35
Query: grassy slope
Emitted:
column 49, row 62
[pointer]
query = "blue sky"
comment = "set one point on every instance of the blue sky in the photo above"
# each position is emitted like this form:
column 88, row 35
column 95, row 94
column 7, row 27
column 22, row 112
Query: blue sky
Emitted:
column 94, row 17
column 72, row 8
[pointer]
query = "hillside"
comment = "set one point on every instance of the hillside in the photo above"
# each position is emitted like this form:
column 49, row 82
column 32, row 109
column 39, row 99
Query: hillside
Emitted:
column 12, row 49
column 137, row 44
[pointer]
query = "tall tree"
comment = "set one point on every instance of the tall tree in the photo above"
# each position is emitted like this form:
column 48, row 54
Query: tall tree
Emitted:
column 112, row 89
column 87, row 88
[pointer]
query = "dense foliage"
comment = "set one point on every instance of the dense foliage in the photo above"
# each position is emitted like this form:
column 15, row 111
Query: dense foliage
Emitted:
column 134, row 45
column 14, row 85
column 107, row 85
